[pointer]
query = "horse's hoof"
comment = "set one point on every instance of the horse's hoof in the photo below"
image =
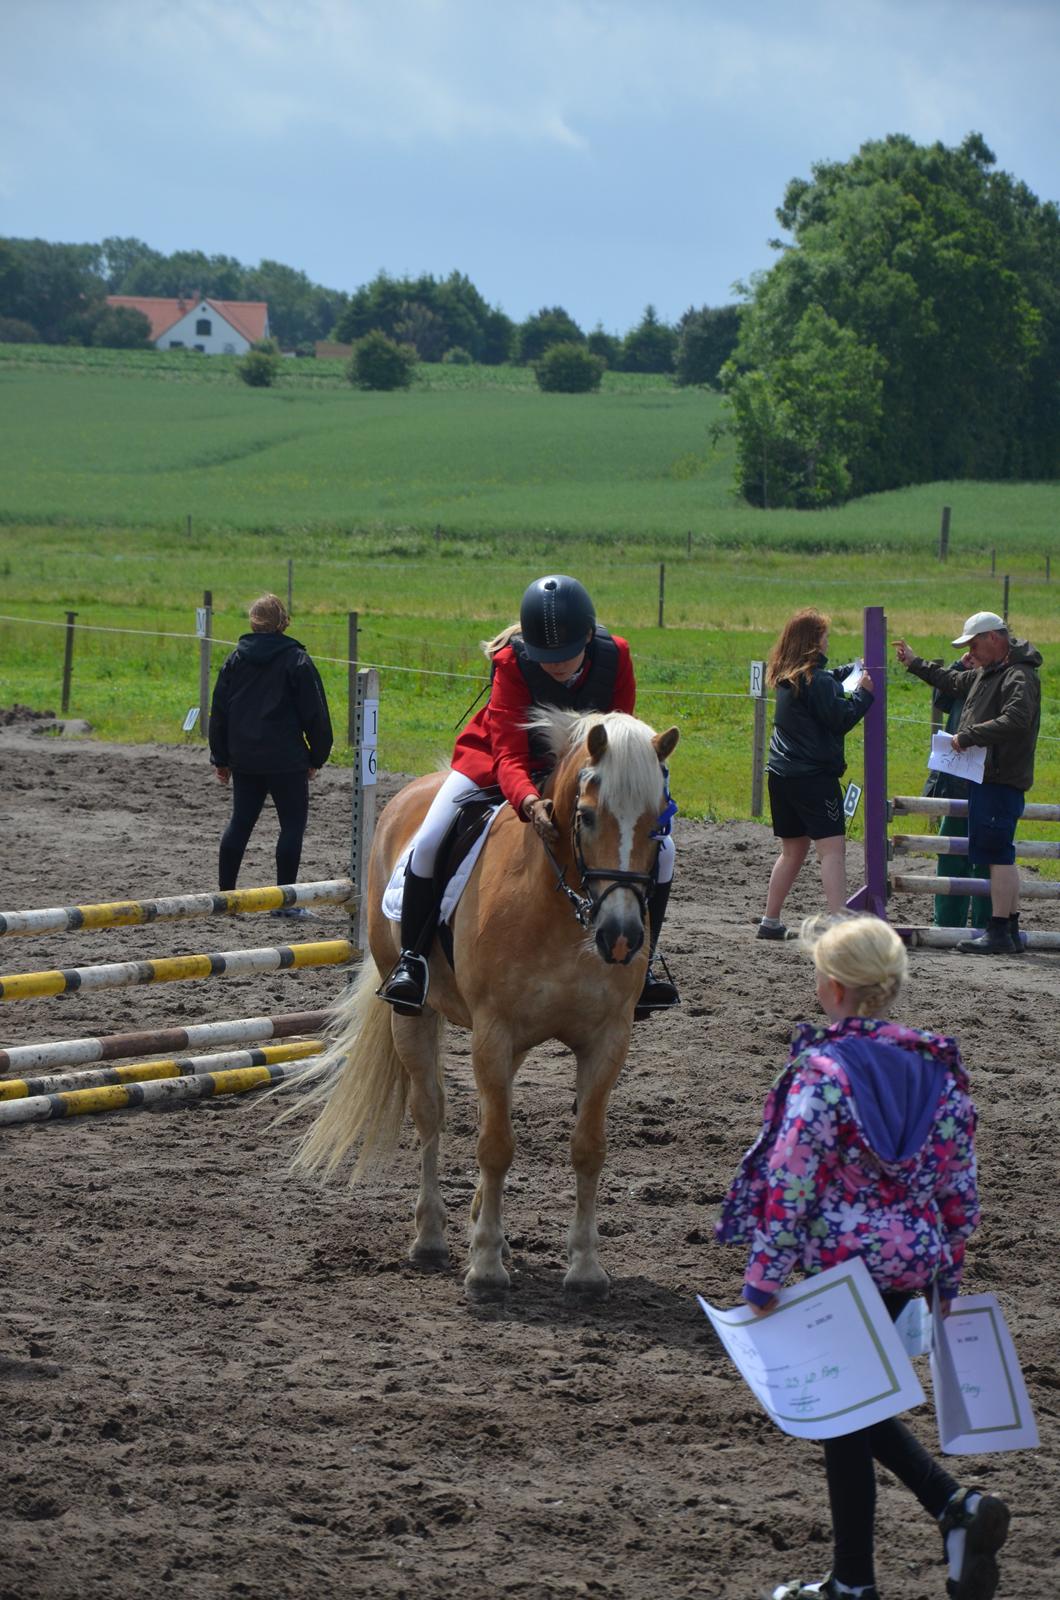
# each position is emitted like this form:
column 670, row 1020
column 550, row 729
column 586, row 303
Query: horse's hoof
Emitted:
column 430, row 1258
column 587, row 1291
column 480, row 1291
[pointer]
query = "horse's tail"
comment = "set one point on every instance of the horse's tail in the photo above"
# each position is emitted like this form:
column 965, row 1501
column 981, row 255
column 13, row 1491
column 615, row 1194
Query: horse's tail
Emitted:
column 360, row 1086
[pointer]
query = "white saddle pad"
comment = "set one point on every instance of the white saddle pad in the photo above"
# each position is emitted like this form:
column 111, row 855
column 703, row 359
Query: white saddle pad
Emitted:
column 394, row 890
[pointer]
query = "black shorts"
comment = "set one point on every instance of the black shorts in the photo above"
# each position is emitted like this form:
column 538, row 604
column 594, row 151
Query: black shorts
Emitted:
column 993, row 812
column 806, row 807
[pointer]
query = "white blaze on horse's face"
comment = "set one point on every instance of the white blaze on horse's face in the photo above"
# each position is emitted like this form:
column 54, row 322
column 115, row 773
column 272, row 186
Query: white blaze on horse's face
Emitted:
column 618, row 804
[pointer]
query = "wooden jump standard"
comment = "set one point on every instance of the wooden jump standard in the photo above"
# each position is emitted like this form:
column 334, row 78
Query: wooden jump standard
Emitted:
column 880, row 880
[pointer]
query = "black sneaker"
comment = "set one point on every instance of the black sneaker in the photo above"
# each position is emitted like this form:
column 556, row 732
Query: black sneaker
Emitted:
column 996, row 941
column 764, row 932
column 405, row 987
column 985, row 1531
column 822, row 1589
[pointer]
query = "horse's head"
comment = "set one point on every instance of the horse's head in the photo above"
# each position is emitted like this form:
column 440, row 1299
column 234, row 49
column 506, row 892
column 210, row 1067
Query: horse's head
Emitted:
column 609, row 792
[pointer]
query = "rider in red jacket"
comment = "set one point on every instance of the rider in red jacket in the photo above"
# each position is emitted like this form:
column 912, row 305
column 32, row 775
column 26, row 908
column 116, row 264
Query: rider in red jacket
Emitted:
column 557, row 656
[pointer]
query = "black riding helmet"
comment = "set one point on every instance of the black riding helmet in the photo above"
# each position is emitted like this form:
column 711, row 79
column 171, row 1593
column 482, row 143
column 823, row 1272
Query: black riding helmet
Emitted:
column 556, row 618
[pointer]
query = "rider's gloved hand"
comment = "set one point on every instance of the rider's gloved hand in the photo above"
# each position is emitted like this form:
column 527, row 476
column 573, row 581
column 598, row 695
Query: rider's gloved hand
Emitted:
column 539, row 813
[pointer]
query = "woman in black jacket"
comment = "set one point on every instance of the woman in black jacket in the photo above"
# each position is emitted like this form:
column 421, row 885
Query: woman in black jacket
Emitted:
column 270, row 732
column 806, row 762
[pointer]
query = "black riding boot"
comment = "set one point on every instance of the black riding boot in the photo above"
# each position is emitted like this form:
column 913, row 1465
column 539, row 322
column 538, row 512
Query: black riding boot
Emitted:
column 405, row 987
column 658, row 994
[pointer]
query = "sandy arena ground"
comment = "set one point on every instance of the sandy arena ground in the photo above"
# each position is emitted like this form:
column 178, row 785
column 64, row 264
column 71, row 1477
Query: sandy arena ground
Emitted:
column 216, row 1381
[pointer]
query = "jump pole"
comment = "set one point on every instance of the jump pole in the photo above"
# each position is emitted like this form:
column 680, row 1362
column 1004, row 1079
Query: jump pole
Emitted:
column 171, row 908
column 138, row 1096
column 172, row 969
column 50, row 1055
column 874, row 893
column 152, row 1071
column 872, row 896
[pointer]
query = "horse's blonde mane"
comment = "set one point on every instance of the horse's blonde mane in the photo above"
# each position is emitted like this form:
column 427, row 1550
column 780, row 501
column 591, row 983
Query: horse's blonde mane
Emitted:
column 630, row 776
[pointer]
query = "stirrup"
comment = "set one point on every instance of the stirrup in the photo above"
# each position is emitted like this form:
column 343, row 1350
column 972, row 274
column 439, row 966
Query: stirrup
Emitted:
column 658, row 994
column 407, row 984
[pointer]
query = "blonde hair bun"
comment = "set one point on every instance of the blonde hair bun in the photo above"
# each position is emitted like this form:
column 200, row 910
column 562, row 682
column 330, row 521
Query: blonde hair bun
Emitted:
column 862, row 953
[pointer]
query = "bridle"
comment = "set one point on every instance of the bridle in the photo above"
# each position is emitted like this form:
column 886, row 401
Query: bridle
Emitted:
column 586, row 904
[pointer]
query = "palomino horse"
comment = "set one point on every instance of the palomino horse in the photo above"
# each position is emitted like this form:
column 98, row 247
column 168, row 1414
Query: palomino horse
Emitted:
column 531, row 964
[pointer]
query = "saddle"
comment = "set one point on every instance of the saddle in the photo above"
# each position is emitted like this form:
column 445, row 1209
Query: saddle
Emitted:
column 468, row 828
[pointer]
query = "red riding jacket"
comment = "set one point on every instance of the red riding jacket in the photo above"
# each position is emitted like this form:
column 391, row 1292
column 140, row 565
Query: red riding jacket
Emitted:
column 494, row 748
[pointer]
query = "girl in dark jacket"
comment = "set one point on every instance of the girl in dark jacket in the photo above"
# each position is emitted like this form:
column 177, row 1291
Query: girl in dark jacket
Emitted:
column 270, row 732
column 806, row 761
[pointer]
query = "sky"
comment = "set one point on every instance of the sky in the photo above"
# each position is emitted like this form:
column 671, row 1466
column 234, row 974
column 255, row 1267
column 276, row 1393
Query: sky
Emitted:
column 595, row 154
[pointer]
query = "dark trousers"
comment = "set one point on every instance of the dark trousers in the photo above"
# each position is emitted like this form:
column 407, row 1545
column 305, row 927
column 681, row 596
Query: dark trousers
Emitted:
column 951, row 910
column 850, row 1466
column 289, row 792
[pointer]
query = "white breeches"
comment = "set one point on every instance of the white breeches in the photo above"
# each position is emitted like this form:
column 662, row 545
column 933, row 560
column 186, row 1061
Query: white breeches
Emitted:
column 436, row 823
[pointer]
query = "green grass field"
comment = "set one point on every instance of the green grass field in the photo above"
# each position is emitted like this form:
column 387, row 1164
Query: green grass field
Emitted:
column 427, row 513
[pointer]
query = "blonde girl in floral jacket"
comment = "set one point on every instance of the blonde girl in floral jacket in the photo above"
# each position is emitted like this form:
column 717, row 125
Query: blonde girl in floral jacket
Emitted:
column 867, row 1149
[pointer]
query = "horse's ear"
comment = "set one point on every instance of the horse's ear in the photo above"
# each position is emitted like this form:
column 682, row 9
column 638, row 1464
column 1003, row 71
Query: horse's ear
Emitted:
column 665, row 742
column 597, row 740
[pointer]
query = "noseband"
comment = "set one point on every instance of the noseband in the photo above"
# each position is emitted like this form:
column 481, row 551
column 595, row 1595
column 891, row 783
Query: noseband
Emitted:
column 586, row 905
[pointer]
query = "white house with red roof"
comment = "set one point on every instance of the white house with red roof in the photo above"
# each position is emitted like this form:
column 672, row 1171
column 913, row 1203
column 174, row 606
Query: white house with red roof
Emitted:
column 215, row 327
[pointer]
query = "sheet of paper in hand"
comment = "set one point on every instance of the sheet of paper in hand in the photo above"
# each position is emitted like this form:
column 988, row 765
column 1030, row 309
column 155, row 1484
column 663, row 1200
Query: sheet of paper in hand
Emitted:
column 980, row 1397
column 850, row 682
column 827, row 1361
column 969, row 764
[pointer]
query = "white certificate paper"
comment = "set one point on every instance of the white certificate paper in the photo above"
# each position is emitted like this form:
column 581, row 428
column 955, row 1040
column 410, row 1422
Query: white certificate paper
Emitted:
column 827, row 1361
column 980, row 1397
column 850, row 682
column 969, row 764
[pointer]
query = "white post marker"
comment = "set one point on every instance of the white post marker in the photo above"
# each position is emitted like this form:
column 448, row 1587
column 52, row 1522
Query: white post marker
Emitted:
column 190, row 719
column 758, row 738
column 850, row 800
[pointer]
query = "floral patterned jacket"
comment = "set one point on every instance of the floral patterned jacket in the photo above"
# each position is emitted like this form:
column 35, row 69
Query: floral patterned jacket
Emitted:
column 811, row 1191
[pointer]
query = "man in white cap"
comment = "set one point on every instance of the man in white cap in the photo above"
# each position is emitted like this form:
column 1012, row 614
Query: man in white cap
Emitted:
column 1002, row 710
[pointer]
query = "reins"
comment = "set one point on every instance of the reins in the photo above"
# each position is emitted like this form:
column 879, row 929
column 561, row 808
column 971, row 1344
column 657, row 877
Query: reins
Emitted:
column 642, row 884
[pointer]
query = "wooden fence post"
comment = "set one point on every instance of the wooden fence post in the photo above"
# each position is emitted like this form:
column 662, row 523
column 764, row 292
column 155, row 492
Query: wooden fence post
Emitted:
column 1004, row 603
column 68, row 660
column 662, row 592
column 944, row 534
column 366, row 737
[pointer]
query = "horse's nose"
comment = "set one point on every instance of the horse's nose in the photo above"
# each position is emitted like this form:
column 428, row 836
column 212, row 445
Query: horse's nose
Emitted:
column 619, row 936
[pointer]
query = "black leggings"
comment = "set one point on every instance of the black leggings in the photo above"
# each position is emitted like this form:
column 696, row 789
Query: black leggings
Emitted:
column 250, row 790
column 850, row 1467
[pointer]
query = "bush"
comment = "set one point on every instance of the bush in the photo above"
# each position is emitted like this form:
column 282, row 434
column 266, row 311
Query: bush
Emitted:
column 551, row 325
column 14, row 331
column 457, row 356
column 569, row 369
column 259, row 367
column 381, row 363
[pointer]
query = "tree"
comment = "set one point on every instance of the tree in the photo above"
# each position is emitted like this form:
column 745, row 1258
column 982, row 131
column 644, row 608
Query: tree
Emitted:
column 121, row 328
column 50, row 285
column 423, row 329
column 802, row 423
column 381, row 363
column 650, row 346
column 14, row 331
column 705, row 340
column 464, row 318
column 945, row 275
column 261, row 365
column 568, row 369
column 551, row 325
column 608, row 346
